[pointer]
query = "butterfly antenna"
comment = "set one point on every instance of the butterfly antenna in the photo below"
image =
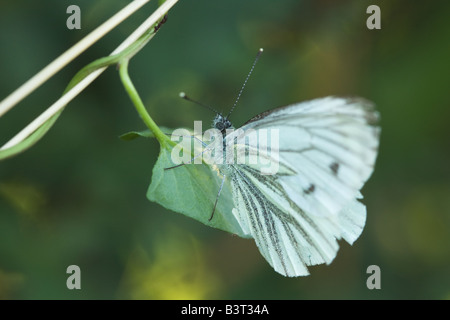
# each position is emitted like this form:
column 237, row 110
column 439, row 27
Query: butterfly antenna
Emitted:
column 246, row 79
column 185, row 97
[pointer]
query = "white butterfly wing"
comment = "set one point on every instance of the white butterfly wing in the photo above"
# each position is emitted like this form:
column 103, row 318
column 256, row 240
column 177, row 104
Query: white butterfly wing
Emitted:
column 327, row 150
column 286, row 236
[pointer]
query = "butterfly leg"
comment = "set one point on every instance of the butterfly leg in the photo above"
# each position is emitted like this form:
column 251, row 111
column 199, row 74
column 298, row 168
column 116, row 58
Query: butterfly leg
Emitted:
column 182, row 164
column 217, row 197
column 193, row 136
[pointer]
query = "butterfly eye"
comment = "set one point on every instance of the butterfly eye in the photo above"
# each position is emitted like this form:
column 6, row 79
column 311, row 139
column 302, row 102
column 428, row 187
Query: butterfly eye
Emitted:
column 219, row 126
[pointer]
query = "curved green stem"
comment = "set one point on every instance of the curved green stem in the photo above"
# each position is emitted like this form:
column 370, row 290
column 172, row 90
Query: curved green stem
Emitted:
column 110, row 60
column 139, row 105
column 39, row 127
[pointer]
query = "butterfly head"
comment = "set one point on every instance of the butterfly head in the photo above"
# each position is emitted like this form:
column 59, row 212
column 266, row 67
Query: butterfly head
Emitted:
column 221, row 123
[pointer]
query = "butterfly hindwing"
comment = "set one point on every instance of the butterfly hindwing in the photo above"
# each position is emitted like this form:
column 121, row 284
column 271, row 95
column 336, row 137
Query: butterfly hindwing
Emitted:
column 286, row 236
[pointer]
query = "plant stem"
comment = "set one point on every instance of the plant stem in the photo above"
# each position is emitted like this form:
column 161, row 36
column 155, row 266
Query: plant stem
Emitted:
column 139, row 105
column 73, row 92
column 68, row 56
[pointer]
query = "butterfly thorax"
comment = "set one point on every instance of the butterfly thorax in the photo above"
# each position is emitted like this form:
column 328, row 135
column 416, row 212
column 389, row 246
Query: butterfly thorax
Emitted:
column 221, row 123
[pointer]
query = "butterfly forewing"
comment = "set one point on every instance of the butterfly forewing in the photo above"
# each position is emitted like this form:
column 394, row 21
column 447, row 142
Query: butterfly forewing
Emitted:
column 326, row 151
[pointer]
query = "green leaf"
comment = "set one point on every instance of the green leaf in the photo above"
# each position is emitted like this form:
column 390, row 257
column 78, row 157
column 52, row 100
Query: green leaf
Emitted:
column 144, row 134
column 192, row 190
column 136, row 134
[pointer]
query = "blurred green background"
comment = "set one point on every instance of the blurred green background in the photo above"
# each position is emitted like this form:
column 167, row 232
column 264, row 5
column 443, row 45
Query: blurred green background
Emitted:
column 78, row 196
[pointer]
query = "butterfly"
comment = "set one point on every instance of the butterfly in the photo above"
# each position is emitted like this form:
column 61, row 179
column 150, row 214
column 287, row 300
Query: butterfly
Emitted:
column 326, row 151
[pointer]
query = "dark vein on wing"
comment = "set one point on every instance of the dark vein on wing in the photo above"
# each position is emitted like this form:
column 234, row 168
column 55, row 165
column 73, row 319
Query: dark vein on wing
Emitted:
column 283, row 216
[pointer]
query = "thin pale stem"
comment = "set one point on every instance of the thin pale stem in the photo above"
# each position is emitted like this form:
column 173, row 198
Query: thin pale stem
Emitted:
column 60, row 62
column 72, row 93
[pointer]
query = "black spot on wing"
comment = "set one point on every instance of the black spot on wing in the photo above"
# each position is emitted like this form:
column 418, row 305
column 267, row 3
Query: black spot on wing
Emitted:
column 262, row 212
column 310, row 189
column 335, row 168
